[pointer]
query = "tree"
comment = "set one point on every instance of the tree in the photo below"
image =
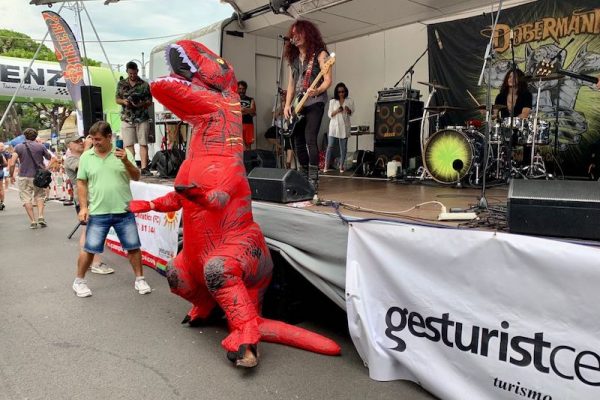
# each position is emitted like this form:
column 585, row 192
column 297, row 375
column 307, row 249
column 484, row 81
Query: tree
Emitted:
column 34, row 115
column 12, row 124
column 19, row 45
column 53, row 116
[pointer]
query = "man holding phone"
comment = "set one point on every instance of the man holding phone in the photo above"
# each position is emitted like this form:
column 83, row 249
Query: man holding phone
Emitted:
column 133, row 94
column 104, row 194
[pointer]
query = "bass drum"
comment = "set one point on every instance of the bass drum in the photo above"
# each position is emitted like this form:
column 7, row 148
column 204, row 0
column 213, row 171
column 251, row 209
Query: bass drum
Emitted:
column 450, row 155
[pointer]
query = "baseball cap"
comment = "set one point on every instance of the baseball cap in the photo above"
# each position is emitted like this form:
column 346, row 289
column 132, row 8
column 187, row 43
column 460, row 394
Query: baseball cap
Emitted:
column 72, row 138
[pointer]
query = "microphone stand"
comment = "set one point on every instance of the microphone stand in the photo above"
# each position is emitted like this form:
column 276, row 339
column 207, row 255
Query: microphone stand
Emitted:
column 559, row 60
column 511, row 112
column 488, row 57
column 278, row 119
column 410, row 72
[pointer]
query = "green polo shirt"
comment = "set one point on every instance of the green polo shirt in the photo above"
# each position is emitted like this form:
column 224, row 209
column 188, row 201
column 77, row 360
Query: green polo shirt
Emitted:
column 107, row 182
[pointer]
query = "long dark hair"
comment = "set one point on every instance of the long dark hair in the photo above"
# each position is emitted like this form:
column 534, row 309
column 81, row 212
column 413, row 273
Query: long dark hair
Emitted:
column 335, row 91
column 521, row 82
column 312, row 38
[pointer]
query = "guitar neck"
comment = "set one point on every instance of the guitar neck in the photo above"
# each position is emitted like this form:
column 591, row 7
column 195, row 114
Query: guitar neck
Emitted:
column 300, row 104
column 586, row 78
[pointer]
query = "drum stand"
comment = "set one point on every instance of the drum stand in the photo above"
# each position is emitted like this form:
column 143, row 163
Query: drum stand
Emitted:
column 487, row 65
column 536, row 168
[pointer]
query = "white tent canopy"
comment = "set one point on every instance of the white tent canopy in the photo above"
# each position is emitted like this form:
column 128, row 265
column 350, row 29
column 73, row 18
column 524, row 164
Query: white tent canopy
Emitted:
column 340, row 20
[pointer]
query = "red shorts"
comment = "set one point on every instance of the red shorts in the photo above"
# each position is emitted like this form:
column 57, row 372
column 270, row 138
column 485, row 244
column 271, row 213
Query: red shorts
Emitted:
column 248, row 133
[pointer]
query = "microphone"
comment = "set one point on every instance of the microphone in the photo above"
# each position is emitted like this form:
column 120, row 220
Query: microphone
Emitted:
column 439, row 41
column 286, row 39
column 558, row 55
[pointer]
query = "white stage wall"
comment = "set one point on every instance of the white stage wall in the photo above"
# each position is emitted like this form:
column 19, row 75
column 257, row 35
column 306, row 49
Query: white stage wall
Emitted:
column 365, row 64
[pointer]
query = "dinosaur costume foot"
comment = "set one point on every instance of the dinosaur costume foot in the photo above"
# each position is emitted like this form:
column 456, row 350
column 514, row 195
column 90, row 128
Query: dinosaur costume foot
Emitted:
column 245, row 357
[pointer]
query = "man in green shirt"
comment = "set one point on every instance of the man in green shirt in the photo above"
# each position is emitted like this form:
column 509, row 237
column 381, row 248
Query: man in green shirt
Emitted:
column 104, row 193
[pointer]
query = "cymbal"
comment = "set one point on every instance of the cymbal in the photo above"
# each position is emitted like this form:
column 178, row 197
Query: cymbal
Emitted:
column 445, row 108
column 495, row 107
column 551, row 77
column 434, row 85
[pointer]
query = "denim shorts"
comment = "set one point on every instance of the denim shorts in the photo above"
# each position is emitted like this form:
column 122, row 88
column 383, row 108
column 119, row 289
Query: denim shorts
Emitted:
column 99, row 225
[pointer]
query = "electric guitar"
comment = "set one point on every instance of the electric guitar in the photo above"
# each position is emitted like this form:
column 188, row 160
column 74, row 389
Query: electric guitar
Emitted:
column 544, row 68
column 289, row 125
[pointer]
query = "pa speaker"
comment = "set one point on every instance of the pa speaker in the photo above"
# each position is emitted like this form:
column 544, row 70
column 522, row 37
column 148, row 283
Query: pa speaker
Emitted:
column 91, row 106
column 394, row 134
column 259, row 158
column 279, row 185
column 554, row 208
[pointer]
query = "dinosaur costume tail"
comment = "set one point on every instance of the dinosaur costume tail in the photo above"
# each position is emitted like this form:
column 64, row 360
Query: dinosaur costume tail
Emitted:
column 280, row 332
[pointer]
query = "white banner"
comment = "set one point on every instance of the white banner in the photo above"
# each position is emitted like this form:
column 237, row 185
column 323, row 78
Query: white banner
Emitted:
column 473, row 314
column 158, row 231
column 45, row 81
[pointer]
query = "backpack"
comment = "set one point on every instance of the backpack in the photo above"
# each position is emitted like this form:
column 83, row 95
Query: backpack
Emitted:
column 167, row 162
column 43, row 177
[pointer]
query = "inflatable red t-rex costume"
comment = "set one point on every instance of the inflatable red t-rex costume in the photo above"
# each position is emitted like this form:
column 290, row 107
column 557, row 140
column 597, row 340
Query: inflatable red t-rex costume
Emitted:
column 225, row 260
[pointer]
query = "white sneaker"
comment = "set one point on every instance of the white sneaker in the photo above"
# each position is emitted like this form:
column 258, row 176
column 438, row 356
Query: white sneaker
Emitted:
column 142, row 286
column 81, row 289
column 102, row 269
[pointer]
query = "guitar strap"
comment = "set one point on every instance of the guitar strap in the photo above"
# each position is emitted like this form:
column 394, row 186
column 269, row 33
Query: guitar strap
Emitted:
column 306, row 82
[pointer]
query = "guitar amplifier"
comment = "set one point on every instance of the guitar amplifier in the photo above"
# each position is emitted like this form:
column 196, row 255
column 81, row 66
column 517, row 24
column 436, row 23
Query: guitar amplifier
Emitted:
column 554, row 208
column 397, row 93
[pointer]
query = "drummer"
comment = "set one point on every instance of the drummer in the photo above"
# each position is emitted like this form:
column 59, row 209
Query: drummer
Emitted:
column 515, row 95
column 518, row 100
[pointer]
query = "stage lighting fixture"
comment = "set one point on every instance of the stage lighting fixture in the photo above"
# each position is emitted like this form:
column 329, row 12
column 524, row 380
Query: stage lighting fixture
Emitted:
column 280, row 6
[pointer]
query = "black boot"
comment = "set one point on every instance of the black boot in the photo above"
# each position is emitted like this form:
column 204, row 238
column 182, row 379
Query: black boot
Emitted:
column 313, row 176
column 303, row 169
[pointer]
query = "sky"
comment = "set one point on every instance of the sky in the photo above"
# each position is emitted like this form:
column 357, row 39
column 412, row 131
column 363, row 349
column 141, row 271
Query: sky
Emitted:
column 127, row 19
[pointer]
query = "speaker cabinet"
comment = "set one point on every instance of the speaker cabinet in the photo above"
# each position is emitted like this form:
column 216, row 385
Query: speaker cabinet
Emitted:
column 554, row 208
column 259, row 158
column 279, row 185
column 91, row 106
column 394, row 134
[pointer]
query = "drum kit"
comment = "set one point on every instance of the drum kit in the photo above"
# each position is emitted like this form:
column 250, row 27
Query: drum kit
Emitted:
column 455, row 154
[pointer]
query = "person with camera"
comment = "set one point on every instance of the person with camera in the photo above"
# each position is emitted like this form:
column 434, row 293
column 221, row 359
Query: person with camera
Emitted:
column 133, row 94
column 104, row 194
column 341, row 108
column 30, row 155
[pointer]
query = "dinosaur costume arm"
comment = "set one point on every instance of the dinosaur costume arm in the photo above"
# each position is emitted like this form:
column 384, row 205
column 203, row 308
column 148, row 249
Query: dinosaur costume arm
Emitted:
column 166, row 203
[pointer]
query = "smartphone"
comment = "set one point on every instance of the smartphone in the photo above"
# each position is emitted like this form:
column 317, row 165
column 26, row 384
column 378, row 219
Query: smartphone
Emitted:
column 119, row 143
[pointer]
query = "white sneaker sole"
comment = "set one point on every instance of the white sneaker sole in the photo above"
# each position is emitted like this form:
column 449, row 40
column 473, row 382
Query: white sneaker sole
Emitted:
column 87, row 294
column 144, row 291
column 102, row 271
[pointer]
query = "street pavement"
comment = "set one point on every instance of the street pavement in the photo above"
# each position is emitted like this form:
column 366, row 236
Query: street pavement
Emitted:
column 118, row 344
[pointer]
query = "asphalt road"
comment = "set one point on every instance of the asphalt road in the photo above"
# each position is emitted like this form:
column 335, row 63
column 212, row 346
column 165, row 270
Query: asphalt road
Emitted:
column 118, row 344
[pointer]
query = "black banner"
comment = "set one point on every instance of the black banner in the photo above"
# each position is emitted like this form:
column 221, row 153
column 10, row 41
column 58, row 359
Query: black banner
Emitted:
column 539, row 29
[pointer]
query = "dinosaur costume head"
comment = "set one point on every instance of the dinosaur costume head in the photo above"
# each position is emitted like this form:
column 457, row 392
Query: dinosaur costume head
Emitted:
column 200, row 81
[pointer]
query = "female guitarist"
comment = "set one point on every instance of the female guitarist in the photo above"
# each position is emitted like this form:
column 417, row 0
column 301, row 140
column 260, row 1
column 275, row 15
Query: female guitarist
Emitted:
column 306, row 54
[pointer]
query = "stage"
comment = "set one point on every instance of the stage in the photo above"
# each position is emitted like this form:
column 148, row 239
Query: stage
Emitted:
column 313, row 238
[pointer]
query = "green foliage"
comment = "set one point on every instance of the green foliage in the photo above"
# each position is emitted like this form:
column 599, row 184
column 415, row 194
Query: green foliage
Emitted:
column 19, row 45
column 31, row 118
